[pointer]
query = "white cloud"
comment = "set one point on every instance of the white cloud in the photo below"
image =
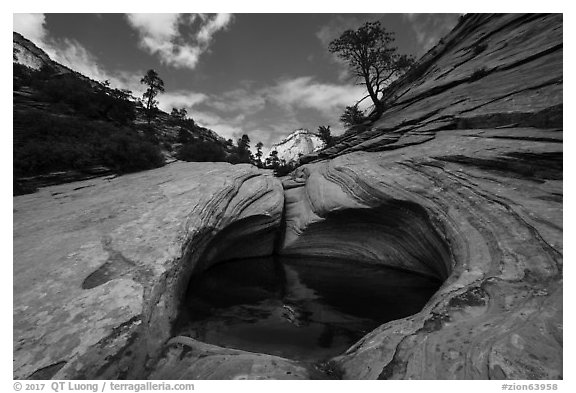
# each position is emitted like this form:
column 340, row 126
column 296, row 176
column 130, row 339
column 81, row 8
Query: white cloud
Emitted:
column 69, row 52
column 336, row 26
column 332, row 30
column 161, row 34
column 230, row 114
column 30, row 26
column 219, row 22
column 180, row 99
column 161, row 26
column 228, row 128
column 76, row 57
column 239, row 100
column 304, row 92
column 157, row 26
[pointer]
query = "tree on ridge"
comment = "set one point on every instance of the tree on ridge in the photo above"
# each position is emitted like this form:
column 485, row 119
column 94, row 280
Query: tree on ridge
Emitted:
column 352, row 116
column 325, row 134
column 155, row 87
column 259, row 154
column 372, row 59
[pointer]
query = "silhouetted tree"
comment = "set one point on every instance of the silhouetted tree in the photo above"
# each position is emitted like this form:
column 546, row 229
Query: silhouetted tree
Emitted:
column 352, row 116
column 155, row 87
column 244, row 142
column 372, row 59
column 325, row 134
column 283, row 168
column 242, row 152
column 201, row 150
column 179, row 114
column 272, row 161
column 120, row 108
column 259, row 153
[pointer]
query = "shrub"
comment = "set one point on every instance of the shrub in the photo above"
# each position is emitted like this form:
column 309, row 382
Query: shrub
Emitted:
column 95, row 102
column 326, row 135
column 125, row 153
column 44, row 143
column 479, row 48
column 479, row 73
column 284, row 168
column 201, row 151
column 352, row 116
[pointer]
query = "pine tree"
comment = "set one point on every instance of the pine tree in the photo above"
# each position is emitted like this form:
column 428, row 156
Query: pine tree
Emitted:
column 155, row 87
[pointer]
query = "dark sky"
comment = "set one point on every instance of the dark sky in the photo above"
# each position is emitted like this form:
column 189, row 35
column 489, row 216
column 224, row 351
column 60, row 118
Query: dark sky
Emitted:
column 260, row 74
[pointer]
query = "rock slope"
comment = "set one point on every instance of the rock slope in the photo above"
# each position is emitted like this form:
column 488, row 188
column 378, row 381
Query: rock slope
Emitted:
column 460, row 179
column 467, row 161
column 99, row 265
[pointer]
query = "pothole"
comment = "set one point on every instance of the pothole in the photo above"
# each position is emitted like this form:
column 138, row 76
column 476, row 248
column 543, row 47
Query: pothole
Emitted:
column 305, row 309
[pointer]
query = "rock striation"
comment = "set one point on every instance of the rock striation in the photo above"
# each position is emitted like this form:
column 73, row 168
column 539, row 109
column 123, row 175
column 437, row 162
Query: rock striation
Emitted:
column 299, row 143
column 467, row 161
column 460, row 179
column 99, row 265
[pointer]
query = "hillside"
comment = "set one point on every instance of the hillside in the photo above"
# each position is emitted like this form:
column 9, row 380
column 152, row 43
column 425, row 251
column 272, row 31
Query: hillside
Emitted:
column 68, row 127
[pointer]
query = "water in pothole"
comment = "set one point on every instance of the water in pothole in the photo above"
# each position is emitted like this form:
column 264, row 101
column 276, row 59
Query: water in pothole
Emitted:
column 304, row 309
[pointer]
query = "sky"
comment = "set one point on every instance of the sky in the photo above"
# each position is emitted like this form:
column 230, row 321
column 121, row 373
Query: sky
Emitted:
column 263, row 75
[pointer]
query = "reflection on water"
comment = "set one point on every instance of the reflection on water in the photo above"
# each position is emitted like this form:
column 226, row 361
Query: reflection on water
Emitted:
column 304, row 309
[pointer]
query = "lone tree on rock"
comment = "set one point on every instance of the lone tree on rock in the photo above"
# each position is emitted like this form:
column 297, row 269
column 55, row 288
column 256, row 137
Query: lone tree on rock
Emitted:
column 352, row 116
column 243, row 150
column 371, row 58
column 259, row 154
column 326, row 135
column 155, row 87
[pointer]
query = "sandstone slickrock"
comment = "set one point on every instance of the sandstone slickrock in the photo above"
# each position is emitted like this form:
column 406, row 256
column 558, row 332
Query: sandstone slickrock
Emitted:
column 187, row 358
column 468, row 160
column 460, row 179
column 99, row 265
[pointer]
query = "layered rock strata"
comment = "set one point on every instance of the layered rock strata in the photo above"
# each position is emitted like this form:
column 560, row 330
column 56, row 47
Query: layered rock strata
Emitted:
column 460, row 179
column 100, row 265
column 472, row 140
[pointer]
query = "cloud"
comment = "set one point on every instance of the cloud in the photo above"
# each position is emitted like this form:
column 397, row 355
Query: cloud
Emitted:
column 287, row 105
column 30, row 26
column 75, row 56
column 336, row 26
column 239, row 100
column 265, row 113
column 226, row 127
column 305, row 92
column 161, row 34
column 429, row 28
column 219, row 22
column 332, row 30
column 71, row 53
column 180, row 99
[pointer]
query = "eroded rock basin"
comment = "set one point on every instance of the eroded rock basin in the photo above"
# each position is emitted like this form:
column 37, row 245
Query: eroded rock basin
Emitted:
column 304, row 309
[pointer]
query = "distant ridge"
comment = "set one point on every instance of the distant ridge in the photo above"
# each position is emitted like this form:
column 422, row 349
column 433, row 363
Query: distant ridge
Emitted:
column 299, row 143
